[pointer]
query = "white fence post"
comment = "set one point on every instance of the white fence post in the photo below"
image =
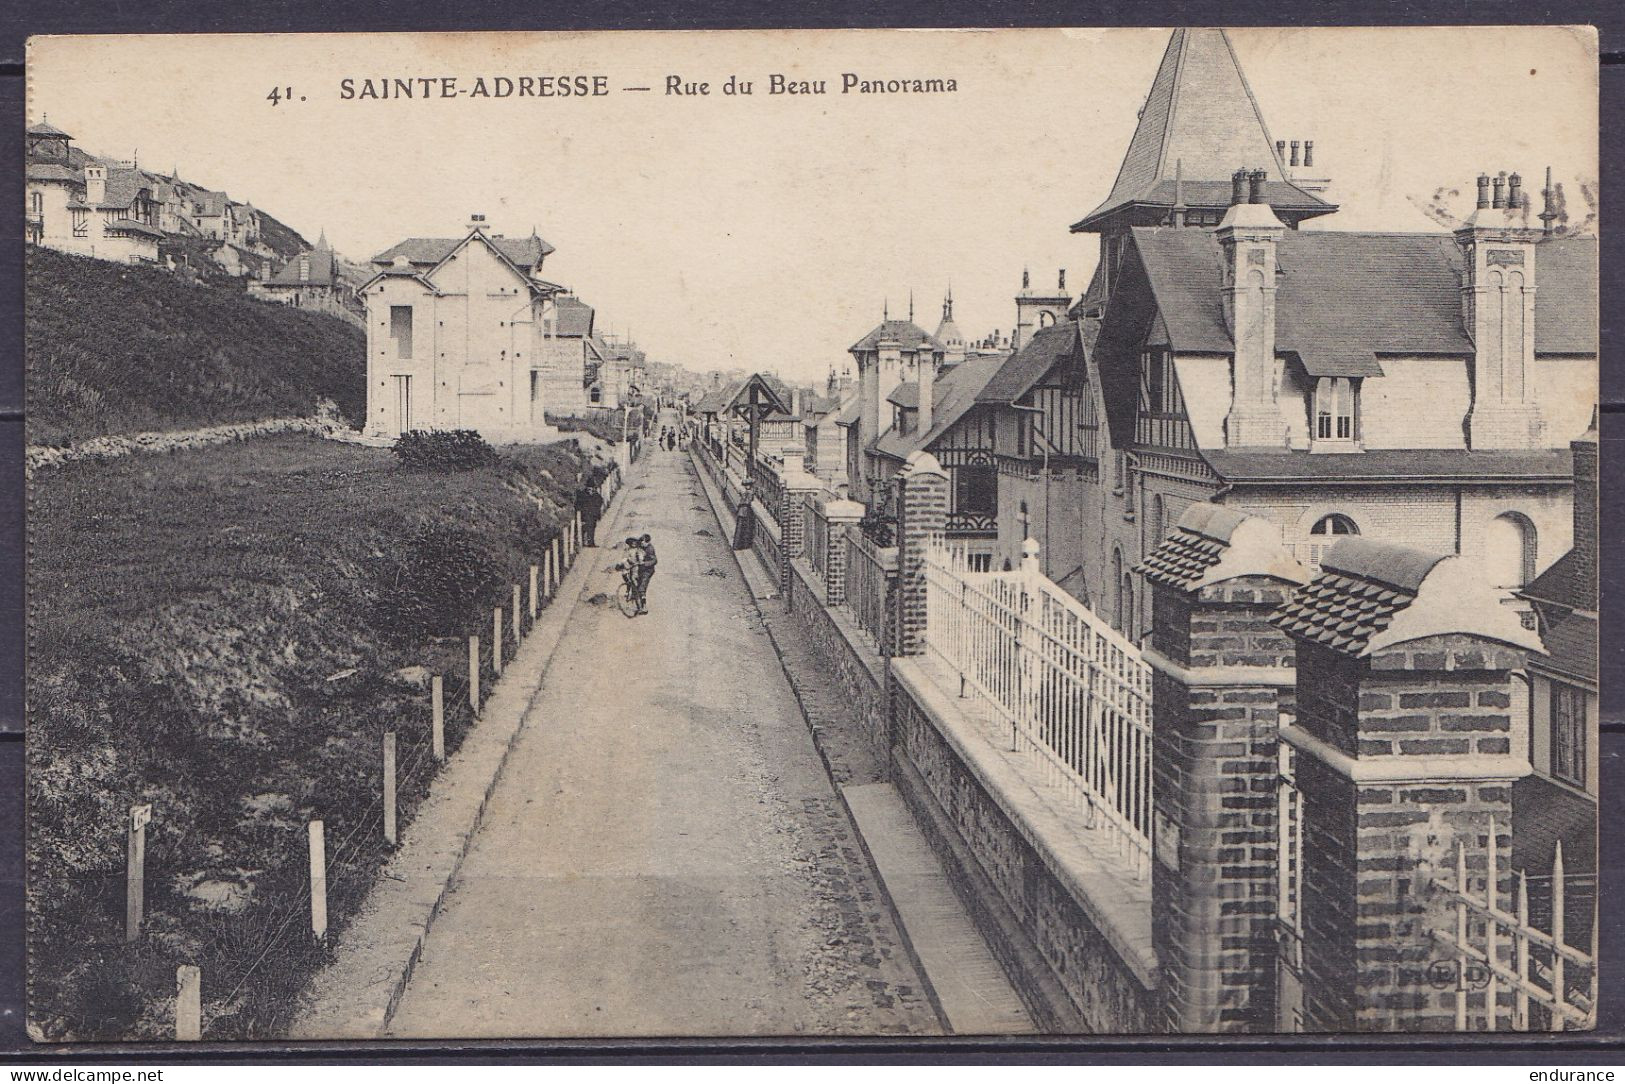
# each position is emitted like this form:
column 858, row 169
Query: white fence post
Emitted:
column 496, row 640
column 389, row 787
column 516, row 613
column 188, row 1003
column 474, row 673
column 135, row 886
column 534, row 607
column 318, row 881
column 437, row 725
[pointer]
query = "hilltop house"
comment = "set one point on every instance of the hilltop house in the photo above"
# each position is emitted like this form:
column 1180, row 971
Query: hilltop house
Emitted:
column 85, row 206
column 455, row 335
column 1411, row 387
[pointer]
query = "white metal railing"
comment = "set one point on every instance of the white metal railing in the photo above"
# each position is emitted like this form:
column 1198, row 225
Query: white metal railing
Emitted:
column 1493, row 947
column 1065, row 688
column 869, row 569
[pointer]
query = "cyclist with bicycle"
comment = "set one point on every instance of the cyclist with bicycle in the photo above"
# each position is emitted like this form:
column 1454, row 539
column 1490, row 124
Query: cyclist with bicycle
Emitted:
column 637, row 568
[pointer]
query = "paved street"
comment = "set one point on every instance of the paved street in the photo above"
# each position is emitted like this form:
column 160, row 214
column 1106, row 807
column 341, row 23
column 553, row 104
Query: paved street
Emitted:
column 664, row 854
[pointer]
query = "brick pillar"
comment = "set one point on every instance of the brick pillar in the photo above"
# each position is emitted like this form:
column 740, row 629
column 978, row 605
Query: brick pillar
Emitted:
column 1220, row 671
column 1401, row 756
column 798, row 488
column 840, row 515
column 1409, row 735
column 1221, row 674
column 922, row 514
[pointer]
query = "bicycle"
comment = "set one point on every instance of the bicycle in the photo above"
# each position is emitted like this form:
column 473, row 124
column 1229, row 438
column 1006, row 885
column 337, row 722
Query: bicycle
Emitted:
column 631, row 597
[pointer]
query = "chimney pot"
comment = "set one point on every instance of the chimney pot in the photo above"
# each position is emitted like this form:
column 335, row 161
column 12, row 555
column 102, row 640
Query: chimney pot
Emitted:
column 1062, row 285
column 1308, row 153
column 1280, row 149
column 1238, row 187
column 1255, row 186
column 1483, row 190
column 1499, row 201
column 1514, row 191
column 1294, row 152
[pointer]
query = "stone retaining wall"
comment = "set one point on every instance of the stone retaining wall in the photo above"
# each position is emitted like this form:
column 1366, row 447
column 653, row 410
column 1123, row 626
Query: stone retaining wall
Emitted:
column 845, row 656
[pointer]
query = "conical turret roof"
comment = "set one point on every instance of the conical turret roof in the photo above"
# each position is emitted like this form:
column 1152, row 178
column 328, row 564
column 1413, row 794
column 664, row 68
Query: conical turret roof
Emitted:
column 1201, row 122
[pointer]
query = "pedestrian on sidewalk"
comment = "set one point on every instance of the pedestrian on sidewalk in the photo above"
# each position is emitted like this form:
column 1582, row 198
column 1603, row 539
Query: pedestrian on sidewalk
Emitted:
column 745, row 518
column 590, row 503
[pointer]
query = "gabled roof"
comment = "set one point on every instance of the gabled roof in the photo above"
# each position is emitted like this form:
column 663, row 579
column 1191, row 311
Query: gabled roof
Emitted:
column 907, row 334
column 323, row 270
column 524, row 252
column 1344, row 298
column 47, row 131
column 574, row 318
column 1027, row 366
column 954, row 393
column 1201, row 115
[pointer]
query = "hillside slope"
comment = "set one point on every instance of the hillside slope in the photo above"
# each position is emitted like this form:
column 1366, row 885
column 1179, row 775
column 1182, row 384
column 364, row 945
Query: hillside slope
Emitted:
column 116, row 349
column 228, row 639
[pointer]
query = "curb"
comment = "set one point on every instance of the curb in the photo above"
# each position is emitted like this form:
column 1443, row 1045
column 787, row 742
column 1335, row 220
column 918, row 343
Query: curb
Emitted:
column 926, row 986
column 361, row 1016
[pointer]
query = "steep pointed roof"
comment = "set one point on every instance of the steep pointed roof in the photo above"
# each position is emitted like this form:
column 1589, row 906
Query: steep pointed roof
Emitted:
column 1200, row 114
column 906, row 333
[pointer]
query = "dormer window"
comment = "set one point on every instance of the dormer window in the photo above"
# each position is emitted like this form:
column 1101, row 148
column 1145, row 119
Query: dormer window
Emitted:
column 1335, row 411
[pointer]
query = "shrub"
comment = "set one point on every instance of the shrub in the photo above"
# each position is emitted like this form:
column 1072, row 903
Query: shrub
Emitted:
column 458, row 449
column 428, row 589
column 879, row 528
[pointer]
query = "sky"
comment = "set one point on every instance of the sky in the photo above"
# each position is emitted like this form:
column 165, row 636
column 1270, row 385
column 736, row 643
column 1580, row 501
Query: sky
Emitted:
column 769, row 231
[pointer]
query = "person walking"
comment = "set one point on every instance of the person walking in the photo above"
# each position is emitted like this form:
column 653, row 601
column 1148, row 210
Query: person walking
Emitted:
column 590, row 503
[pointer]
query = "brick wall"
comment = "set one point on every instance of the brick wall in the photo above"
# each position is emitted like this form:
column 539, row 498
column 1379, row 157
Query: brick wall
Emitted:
column 845, row 657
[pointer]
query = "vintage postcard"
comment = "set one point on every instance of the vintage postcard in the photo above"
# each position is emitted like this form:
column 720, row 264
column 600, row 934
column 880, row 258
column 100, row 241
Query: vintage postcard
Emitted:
column 795, row 534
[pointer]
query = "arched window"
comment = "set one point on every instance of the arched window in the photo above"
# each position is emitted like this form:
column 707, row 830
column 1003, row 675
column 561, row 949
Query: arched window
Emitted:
column 1510, row 550
column 1323, row 534
column 1335, row 523
column 1046, row 318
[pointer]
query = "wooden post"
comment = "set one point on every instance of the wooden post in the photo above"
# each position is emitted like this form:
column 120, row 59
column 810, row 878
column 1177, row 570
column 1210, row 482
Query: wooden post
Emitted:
column 188, row 1003
column 318, row 881
column 437, row 724
column 516, row 613
column 558, row 562
column 474, row 673
column 496, row 640
column 547, row 571
column 135, row 879
column 389, row 787
column 534, row 607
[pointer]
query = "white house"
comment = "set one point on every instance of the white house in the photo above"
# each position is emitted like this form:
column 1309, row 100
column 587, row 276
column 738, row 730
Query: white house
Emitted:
column 455, row 333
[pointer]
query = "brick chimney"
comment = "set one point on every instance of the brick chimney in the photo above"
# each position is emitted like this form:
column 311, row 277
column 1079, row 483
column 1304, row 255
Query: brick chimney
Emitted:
column 926, row 375
column 1498, row 281
column 1585, row 508
column 1248, row 236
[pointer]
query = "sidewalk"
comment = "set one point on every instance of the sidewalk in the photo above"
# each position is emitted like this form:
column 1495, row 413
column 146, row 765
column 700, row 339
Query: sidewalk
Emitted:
column 376, row 951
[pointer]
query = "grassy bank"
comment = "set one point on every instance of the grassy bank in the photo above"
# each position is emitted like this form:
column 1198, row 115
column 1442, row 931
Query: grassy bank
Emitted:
column 226, row 634
column 115, row 349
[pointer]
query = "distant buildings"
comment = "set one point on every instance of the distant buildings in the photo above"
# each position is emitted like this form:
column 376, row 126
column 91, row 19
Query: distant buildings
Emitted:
column 312, row 280
column 85, row 206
